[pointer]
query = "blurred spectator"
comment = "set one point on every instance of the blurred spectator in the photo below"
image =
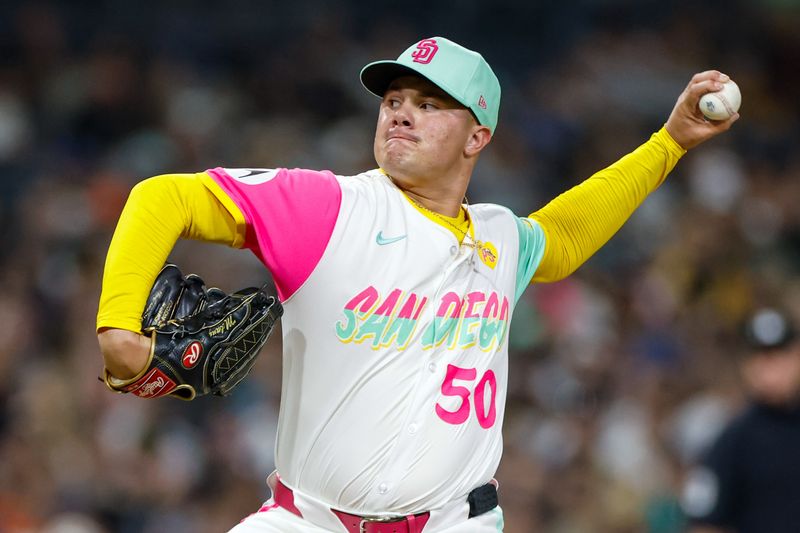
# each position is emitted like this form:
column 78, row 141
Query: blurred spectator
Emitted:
column 747, row 482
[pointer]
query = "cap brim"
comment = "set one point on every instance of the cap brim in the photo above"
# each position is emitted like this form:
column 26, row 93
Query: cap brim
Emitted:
column 376, row 77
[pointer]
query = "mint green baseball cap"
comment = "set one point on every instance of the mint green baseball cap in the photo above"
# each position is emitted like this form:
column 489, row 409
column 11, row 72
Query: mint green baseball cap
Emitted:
column 461, row 73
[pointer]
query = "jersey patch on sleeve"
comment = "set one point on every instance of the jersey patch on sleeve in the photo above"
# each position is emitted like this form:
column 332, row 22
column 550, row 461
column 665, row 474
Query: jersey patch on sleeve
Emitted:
column 252, row 176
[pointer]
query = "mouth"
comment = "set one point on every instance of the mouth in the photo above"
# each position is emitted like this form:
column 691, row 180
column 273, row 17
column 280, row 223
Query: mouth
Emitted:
column 401, row 137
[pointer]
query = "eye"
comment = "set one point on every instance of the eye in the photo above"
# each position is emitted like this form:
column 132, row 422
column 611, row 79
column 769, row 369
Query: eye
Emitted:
column 392, row 102
column 428, row 106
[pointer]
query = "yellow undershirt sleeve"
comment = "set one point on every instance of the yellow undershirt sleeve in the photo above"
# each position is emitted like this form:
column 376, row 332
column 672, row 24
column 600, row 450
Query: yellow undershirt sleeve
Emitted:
column 159, row 210
column 578, row 222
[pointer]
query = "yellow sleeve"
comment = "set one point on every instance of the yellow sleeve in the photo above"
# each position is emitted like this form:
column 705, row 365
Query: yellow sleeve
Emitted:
column 578, row 222
column 160, row 210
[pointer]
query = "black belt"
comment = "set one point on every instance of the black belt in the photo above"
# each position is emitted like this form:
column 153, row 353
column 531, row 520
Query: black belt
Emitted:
column 481, row 500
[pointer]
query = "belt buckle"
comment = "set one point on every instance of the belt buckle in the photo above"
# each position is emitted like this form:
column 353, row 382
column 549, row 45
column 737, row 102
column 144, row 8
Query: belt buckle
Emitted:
column 362, row 526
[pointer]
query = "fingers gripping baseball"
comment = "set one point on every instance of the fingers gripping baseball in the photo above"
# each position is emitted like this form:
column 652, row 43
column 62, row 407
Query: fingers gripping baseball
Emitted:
column 686, row 124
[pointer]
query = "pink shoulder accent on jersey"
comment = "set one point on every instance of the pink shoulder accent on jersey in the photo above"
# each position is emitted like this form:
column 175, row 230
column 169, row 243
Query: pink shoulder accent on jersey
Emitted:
column 290, row 217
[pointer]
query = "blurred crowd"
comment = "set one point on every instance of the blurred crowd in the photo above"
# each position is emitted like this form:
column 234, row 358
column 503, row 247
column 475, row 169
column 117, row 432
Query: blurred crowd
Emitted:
column 621, row 374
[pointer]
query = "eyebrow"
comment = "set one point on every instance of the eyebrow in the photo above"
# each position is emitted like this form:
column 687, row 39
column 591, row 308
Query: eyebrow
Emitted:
column 435, row 94
column 425, row 93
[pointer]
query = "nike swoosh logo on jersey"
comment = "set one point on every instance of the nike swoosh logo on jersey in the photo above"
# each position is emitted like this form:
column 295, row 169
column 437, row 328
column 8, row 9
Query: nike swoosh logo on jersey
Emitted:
column 381, row 240
column 252, row 176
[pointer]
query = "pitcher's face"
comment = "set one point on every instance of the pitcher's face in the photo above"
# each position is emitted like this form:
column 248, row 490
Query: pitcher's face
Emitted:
column 422, row 131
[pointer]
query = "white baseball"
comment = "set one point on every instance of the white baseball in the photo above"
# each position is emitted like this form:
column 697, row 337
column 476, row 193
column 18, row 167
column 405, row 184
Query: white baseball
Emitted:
column 722, row 104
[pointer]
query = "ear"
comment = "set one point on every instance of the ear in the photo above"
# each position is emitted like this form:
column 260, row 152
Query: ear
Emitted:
column 477, row 140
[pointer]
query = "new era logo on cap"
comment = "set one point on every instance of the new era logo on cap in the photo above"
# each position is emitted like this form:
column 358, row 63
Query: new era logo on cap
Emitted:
column 482, row 102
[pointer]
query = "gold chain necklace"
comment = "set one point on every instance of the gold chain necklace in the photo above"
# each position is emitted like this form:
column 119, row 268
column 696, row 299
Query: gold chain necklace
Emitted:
column 464, row 234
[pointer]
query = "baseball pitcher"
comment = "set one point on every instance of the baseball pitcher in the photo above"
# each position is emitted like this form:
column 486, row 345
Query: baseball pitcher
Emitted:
column 396, row 298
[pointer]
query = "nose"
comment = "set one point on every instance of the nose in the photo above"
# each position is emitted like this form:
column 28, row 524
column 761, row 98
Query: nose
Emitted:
column 401, row 120
column 401, row 115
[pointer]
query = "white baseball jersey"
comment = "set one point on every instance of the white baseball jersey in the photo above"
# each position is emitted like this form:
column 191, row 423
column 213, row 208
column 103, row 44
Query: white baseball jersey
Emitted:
column 395, row 335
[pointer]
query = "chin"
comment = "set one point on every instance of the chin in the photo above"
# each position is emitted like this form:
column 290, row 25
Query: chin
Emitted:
column 393, row 164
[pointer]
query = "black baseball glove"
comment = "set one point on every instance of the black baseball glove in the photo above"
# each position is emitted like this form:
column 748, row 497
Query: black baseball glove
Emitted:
column 202, row 340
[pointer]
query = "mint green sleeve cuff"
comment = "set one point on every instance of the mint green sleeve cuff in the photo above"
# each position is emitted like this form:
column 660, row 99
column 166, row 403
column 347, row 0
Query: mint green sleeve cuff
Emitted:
column 531, row 251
